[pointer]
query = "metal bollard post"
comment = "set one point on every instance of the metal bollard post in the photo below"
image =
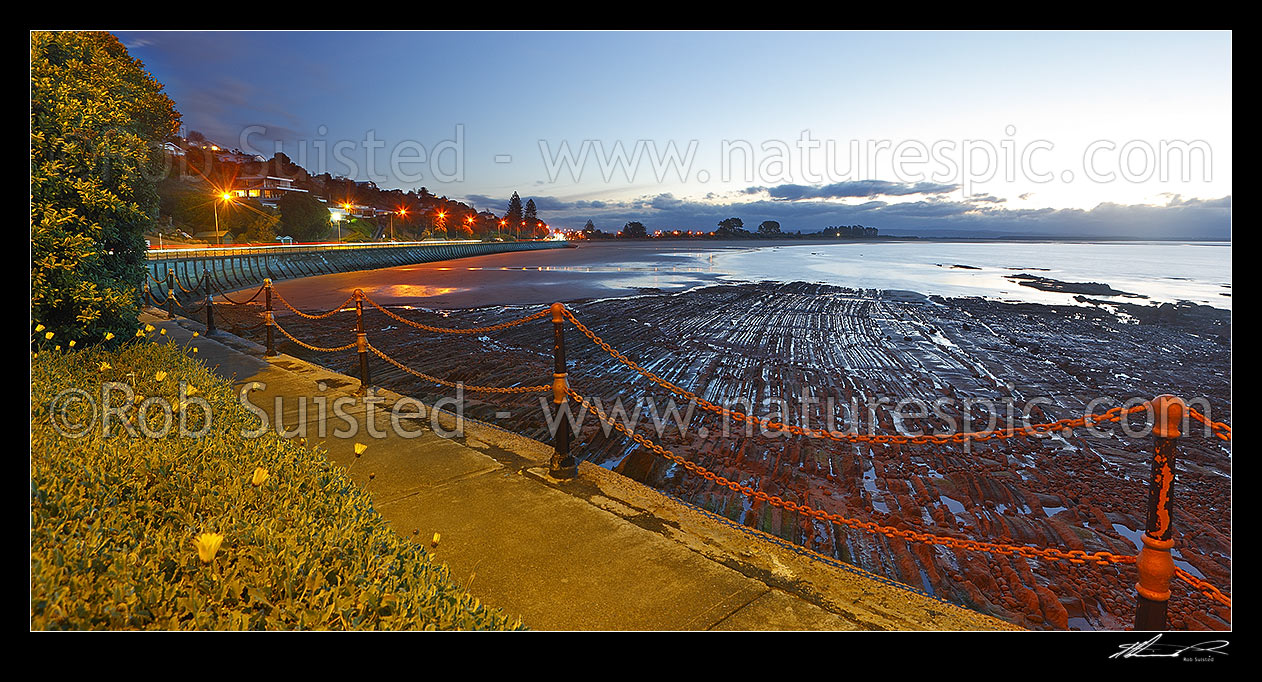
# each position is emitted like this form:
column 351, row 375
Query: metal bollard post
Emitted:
column 210, row 303
column 170, row 294
column 361, row 342
column 562, row 464
column 1156, row 566
column 267, row 318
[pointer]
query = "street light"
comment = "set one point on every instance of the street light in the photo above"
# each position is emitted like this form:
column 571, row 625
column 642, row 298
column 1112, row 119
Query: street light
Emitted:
column 227, row 198
column 441, row 217
column 403, row 212
column 339, row 223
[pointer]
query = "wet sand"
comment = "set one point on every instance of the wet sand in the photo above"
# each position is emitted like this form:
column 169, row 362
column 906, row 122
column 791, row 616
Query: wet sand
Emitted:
column 525, row 278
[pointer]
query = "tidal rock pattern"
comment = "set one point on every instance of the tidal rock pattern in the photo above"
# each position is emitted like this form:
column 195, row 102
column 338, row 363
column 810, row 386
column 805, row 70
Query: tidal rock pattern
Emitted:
column 827, row 357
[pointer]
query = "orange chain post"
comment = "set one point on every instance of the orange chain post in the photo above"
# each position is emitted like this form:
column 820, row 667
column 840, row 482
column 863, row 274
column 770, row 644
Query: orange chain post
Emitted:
column 1156, row 566
column 563, row 464
column 361, row 343
column 267, row 317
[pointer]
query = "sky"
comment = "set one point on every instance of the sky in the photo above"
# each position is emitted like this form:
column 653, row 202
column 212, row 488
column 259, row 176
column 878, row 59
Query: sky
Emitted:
column 1106, row 134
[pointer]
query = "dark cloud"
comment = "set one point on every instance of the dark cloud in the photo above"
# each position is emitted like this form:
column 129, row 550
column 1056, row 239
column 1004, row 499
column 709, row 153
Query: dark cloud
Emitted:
column 853, row 189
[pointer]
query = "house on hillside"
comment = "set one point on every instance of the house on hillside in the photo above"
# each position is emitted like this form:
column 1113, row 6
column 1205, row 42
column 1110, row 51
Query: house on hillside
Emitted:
column 268, row 189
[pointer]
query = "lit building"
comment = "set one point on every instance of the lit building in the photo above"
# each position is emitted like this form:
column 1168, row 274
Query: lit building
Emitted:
column 268, row 189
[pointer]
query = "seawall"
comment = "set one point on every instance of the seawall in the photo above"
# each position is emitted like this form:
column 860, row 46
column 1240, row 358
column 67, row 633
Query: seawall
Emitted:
column 231, row 268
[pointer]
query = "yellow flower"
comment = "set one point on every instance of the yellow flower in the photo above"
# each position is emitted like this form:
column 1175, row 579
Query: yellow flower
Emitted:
column 39, row 328
column 105, row 366
column 160, row 375
column 194, row 349
column 207, row 544
column 192, row 390
column 72, row 343
column 162, row 331
column 148, row 327
column 260, row 475
column 140, row 333
column 109, row 335
column 359, row 449
column 48, row 335
column 195, row 334
column 434, row 542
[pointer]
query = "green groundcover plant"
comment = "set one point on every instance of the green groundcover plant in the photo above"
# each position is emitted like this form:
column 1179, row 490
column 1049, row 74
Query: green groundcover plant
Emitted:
column 121, row 524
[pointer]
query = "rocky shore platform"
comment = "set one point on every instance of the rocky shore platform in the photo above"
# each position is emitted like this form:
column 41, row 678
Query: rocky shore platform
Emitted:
column 848, row 357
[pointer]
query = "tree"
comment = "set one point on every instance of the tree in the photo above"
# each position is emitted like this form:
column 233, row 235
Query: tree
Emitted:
column 97, row 122
column 769, row 227
column 514, row 214
column 303, row 217
column 634, row 230
column 531, row 216
column 589, row 229
column 730, row 227
column 249, row 221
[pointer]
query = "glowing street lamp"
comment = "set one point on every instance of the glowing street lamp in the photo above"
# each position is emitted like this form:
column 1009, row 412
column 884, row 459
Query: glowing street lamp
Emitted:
column 442, row 216
column 226, row 197
column 403, row 211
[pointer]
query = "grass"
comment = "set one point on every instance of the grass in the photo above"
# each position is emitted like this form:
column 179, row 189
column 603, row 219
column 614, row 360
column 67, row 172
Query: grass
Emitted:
column 115, row 515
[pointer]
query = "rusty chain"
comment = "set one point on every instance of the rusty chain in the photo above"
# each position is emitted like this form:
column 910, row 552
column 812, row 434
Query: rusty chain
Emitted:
column 1113, row 415
column 1219, row 429
column 1203, row 587
column 450, row 384
column 309, row 316
column 1072, row 556
column 445, row 330
column 249, row 300
column 308, row 346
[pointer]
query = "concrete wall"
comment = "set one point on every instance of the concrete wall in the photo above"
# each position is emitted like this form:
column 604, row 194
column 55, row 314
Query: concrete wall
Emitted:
column 241, row 267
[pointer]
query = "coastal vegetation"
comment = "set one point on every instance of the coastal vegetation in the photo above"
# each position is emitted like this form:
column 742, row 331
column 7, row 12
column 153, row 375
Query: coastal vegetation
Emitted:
column 207, row 528
column 96, row 119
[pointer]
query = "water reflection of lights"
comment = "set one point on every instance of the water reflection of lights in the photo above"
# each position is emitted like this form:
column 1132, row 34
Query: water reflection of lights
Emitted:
column 415, row 290
column 589, row 268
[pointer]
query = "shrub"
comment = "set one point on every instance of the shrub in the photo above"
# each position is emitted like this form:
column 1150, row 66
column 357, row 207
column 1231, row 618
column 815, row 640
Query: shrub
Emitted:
column 114, row 518
column 96, row 120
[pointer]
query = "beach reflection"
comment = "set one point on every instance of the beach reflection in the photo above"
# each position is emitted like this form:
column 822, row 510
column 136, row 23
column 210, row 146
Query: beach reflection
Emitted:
column 410, row 290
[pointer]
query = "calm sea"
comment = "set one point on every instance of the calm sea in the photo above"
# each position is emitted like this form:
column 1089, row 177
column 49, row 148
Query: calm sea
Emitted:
column 1163, row 271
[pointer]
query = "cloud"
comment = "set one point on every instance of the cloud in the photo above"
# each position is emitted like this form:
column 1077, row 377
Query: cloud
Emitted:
column 853, row 189
column 983, row 216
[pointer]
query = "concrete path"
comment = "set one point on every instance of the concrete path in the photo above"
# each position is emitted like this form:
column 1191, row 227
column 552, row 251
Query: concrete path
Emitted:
column 600, row 552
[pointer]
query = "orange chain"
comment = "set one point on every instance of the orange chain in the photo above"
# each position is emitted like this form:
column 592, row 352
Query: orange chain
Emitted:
column 1203, row 587
column 450, row 384
column 1073, row 556
column 443, row 330
column 308, row 346
column 1112, row 415
column 1220, row 429
column 321, row 316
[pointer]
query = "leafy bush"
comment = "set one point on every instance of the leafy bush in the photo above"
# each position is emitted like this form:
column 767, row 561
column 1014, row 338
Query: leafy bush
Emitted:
column 114, row 518
column 96, row 120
